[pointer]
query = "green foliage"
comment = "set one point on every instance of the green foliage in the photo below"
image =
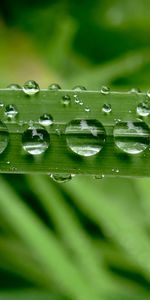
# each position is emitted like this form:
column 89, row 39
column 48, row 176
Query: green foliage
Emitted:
column 88, row 238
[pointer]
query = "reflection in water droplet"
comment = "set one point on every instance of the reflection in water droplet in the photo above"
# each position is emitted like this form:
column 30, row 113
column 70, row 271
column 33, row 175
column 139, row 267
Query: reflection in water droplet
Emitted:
column 132, row 138
column 46, row 120
column 4, row 137
column 143, row 109
column 106, row 108
column 14, row 86
column 54, row 87
column 85, row 137
column 31, row 87
column 35, row 140
column 61, row 178
column 66, row 100
column 79, row 88
column 105, row 90
column 11, row 111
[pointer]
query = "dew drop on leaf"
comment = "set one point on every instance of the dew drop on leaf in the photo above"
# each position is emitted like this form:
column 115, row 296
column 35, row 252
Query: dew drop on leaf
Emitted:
column 66, row 100
column 85, row 137
column 131, row 137
column 79, row 88
column 11, row 111
column 14, row 86
column 61, row 178
column 31, row 87
column 105, row 90
column 54, row 87
column 143, row 109
column 46, row 120
column 106, row 108
column 35, row 140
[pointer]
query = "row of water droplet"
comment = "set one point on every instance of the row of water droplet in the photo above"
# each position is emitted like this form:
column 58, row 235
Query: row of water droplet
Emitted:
column 84, row 137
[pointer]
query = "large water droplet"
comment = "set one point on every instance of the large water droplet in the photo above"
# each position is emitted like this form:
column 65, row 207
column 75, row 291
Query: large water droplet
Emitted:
column 66, row 100
column 46, row 120
column 105, row 90
column 79, row 88
column 106, row 108
column 31, row 87
column 143, row 109
column 35, row 140
column 85, row 137
column 4, row 137
column 61, row 178
column 14, row 86
column 54, row 87
column 11, row 111
column 132, row 138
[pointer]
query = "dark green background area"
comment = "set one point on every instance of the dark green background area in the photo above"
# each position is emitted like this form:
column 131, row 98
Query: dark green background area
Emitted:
column 88, row 238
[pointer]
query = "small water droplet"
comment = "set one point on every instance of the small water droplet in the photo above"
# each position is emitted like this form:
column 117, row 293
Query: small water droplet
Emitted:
column 85, row 137
column 106, row 108
column 87, row 109
column 1, row 104
column 105, row 90
column 35, row 140
column 81, row 102
column 31, row 87
column 61, row 178
column 4, row 137
column 46, row 120
column 11, row 111
column 76, row 99
column 115, row 170
column 54, row 87
column 148, row 93
column 131, row 137
column 135, row 91
column 66, row 100
column 143, row 109
column 79, row 88
column 14, row 86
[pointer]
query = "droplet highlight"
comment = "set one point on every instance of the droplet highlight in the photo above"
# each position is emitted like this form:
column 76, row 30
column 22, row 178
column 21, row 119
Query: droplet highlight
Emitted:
column 35, row 140
column 105, row 90
column 85, row 137
column 131, row 137
column 31, row 87
column 79, row 88
column 14, row 86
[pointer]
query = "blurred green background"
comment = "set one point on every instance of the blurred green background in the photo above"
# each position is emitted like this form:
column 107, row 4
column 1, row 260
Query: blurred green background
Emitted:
column 87, row 239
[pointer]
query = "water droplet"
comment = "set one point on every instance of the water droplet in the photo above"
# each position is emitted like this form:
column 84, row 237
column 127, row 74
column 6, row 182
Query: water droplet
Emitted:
column 105, row 90
column 11, row 111
column 132, row 138
column 148, row 93
column 87, row 109
column 31, row 87
column 54, row 87
column 4, row 137
column 14, row 86
column 85, row 137
column 115, row 170
column 76, row 99
column 46, row 120
column 106, row 108
column 35, row 140
column 79, row 88
column 143, row 109
column 135, row 91
column 66, row 100
column 61, row 178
